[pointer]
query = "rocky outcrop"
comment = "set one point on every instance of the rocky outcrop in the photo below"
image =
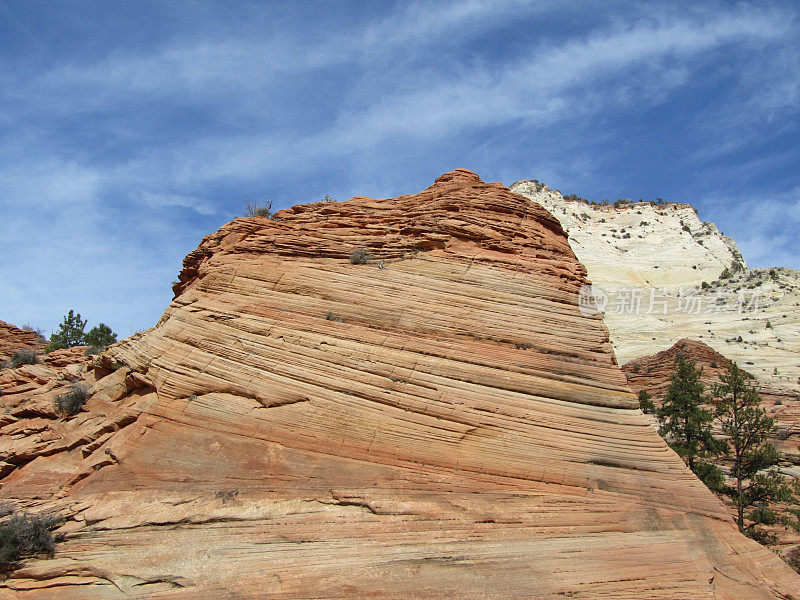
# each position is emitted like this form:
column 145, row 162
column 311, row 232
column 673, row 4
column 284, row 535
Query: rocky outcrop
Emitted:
column 663, row 275
column 654, row 373
column 440, row 421
column 13, row 338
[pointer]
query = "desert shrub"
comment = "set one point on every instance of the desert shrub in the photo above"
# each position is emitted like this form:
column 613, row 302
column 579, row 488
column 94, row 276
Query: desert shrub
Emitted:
column 6, row 508
column 645, row 403
column 764, row 516
column 705, row 285
column 26, row 535
column 360, row 257
column 577, row 198
column 38, row 331
column 762, row 536
column 24, row 356
column 71, row 402
column 253, row 209
column 332, row 317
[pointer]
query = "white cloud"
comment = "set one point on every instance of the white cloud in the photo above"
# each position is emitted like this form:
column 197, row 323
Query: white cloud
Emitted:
column 614, row 70
column 160, row 200
column 764, row 228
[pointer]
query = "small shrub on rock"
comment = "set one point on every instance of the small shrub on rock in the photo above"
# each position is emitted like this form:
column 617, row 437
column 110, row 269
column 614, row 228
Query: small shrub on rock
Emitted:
column 710, row 475
column 71, row 402
column 253, row 209
column 38, row 331
column 100, row 336
column 360, row 257
column 25, row 535
column 645, row 403
column 24, row 356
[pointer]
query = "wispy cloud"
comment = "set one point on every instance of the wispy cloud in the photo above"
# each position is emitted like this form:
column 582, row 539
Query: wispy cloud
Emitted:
column 160, row 200
column 765, row 229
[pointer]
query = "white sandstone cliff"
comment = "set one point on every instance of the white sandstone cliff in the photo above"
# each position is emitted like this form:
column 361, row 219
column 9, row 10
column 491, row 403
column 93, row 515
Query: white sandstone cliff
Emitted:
column 648, row 263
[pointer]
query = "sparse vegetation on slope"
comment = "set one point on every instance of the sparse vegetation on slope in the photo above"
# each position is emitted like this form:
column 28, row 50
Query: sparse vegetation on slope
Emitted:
column 70, row 403
column 24, row 535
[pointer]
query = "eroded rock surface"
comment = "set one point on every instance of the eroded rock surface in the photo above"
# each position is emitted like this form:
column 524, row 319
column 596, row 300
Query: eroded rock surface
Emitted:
column 440, row 422
column 13, row 339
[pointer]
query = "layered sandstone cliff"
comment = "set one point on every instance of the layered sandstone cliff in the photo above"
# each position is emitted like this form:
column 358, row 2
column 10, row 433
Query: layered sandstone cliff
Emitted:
column 658, row 268
column 442, row 421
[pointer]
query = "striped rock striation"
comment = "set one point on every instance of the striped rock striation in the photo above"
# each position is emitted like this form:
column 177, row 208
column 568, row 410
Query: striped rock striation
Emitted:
column 13, row 339
column 654, row 373
column 440, row 421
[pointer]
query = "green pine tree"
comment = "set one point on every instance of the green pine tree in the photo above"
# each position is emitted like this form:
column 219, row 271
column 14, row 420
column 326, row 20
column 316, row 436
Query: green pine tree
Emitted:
column 685, row 422
column 645, row 402
column 100, row 336
column 747, row 427
column 69, row 334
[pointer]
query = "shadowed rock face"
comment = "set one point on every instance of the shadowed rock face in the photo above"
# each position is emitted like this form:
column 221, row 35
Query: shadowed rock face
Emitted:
column 441, row 422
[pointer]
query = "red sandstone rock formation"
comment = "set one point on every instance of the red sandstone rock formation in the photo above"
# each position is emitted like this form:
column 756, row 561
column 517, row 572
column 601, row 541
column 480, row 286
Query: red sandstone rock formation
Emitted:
column 13, row 339
column 654, row 373
column 441, row 422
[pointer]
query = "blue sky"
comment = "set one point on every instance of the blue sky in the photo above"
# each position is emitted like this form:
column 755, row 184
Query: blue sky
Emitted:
column 131, row 129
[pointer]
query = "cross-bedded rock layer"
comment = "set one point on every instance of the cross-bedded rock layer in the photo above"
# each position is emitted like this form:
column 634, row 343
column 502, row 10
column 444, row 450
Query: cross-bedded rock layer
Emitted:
column 440, row 422
column 13, row 339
